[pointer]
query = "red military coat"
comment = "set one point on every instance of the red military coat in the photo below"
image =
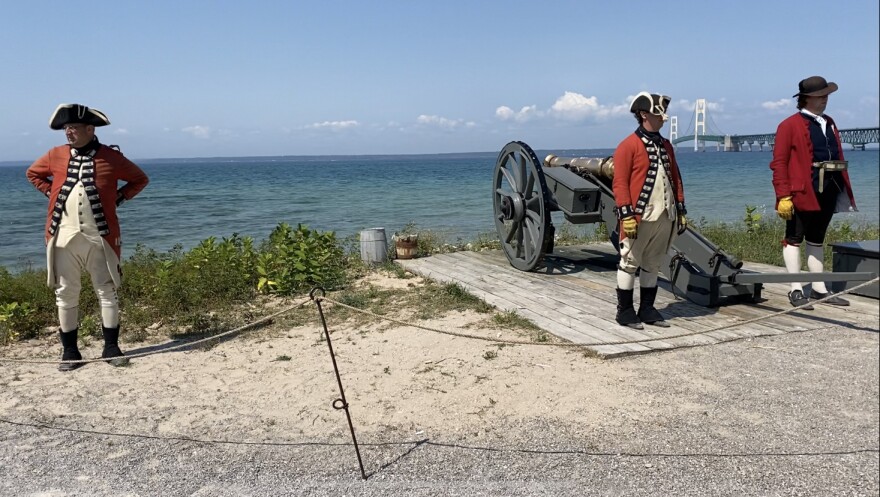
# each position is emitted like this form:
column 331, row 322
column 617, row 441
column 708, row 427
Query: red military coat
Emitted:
column 49, row 172
column 792, row 163
column 631, row 165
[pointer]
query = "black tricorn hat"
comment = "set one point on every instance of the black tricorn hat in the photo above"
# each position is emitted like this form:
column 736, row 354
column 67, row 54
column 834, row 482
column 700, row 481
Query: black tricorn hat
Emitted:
column 76, row 113
column 815, row 86
column 650, row 102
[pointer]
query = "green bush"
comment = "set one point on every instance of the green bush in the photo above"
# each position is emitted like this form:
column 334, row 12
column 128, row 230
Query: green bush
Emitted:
column 759, row 239
column 201, row 290
column 27, row 290
column 18, row 322
column 295, row 260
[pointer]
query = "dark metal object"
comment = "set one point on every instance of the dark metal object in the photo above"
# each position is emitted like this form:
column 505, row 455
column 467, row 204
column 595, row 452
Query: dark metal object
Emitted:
column 522, row 206
column 857, row 256
column 339, row 403
column 581, row 188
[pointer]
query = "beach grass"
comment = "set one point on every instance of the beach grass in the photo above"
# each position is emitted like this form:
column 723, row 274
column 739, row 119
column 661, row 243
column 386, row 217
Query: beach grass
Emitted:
column 222, row 283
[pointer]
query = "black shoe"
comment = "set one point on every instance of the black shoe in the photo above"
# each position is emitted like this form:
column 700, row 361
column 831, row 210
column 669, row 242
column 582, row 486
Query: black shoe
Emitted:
column 70, row 350
column 626, row 314
column 834, row 300
column 114, row 356
column 70, row 355
column 797, row 299
column 648, row 314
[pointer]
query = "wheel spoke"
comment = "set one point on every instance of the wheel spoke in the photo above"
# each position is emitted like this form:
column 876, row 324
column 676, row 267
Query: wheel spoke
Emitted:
column 533, row 203
column 532, row 227
column 530, row 185
column 509, row 178
column 521, row 170
column 513, row 229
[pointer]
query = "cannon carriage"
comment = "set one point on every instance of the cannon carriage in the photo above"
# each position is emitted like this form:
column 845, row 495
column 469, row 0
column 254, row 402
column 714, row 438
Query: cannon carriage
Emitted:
column 526, row 191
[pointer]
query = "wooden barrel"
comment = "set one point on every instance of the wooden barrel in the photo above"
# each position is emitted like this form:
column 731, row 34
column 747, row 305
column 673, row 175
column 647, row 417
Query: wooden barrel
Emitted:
column 374, row 248
column 406, row 249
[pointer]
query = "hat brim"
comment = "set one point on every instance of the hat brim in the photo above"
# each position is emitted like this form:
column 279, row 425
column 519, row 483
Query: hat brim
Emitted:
column 77, row 114
column 831, row 88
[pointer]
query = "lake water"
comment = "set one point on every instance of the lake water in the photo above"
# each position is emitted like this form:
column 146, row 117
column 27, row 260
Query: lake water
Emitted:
column 189, row 200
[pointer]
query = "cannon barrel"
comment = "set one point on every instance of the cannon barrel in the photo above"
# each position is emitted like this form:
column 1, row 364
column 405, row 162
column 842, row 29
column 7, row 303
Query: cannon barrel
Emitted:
column 597, row 166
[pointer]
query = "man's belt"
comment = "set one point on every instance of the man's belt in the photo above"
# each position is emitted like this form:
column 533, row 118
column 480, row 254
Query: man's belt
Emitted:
column 828, row 165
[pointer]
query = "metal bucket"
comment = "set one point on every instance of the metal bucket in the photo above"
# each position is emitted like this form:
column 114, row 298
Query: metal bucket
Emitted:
column 374, row 248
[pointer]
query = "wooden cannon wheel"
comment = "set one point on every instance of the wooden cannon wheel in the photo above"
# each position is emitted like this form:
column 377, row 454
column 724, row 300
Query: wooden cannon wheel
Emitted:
column 522, row 206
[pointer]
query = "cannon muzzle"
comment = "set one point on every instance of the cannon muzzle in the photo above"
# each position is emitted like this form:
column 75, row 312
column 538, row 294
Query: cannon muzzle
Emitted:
column 597, row 166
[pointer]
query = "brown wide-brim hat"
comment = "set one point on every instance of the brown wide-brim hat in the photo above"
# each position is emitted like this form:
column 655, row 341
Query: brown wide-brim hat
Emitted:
column 815, row 86
column 76, row 114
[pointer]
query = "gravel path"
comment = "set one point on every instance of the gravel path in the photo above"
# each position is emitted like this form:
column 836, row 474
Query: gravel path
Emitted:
column 787, row 415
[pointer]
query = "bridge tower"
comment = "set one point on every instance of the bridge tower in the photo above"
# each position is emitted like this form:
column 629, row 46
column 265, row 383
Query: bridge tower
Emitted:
column 673, row 128
column 699, row 122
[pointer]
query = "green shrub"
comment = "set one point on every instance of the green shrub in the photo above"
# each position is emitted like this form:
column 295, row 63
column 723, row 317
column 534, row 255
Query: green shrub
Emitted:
column 759, row 239
column 295, row 260
column 18, row 322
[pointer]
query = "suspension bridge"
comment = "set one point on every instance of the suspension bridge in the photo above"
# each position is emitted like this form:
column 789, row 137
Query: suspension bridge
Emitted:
column 701, row 132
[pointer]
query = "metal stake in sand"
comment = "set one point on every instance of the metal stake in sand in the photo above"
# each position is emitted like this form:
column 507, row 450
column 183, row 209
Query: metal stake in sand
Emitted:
column 339, row 403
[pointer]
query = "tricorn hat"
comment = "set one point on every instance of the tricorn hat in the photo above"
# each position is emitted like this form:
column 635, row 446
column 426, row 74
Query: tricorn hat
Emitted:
column 76, row 113
column 650, row 102
column 815, row 86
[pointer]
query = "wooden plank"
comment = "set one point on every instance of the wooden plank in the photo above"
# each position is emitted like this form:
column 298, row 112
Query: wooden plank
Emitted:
column 574, row 297
column 546, row 306
column 585, row 301
column 605, row 289
column 552, row 326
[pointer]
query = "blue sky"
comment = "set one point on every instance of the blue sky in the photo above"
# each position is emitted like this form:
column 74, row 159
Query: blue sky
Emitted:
column 230, row 78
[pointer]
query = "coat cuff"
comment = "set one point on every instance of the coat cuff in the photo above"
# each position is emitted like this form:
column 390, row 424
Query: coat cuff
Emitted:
column 625, row 211
column 681, row 208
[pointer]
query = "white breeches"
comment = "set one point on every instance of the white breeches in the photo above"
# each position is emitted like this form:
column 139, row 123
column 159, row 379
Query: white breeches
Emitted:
column 69, row 261
column 649, row 248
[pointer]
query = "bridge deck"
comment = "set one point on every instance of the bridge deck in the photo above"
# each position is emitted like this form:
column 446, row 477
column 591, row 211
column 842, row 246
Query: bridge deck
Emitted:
column 574, row 298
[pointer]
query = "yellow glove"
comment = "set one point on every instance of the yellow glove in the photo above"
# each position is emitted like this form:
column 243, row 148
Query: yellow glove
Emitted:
column 785, row 208
column 630, row 227
column 682, row 223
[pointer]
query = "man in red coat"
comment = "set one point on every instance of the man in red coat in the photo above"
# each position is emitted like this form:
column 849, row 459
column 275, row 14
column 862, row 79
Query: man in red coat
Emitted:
column 81, row 180
column 650, row 206
column 811, row 182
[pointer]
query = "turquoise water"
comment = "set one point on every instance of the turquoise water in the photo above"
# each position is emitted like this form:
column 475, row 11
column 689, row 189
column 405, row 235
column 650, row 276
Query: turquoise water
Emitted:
column 189, row 200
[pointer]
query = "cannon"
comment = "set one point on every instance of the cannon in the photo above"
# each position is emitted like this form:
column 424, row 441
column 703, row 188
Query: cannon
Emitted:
column 526, row 191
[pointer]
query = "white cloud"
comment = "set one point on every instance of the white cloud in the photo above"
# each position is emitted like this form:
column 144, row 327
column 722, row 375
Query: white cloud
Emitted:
column 570, row 106
column 198, row 131
column 443, row 122
column 334, row 125
column 120, row 131
column 525, row 114
column 573, row 106
column 781, row 104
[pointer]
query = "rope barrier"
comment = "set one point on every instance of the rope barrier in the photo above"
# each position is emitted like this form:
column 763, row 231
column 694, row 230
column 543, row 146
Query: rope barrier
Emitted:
column 441, row 444
column 341, row 403
column 169, row 349
column 600, row 343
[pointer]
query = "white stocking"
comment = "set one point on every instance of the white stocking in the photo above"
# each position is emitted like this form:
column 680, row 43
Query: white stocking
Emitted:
column 110, row 316
column 625, row 281
column 815, row 257
column 791, row 254
column 647, row 279
column 69, row 318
